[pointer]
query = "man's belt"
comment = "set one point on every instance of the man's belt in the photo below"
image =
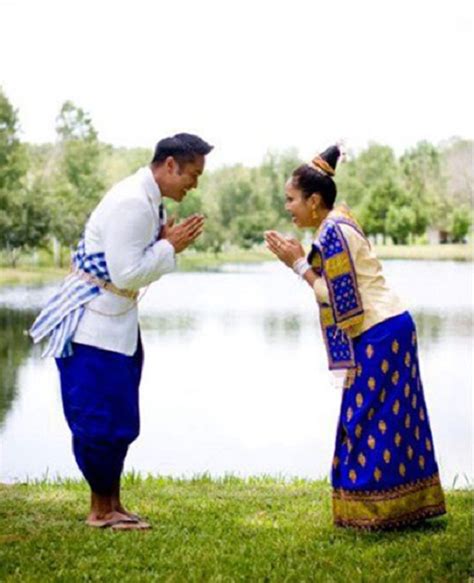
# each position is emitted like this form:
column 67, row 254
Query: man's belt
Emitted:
column 107, row 285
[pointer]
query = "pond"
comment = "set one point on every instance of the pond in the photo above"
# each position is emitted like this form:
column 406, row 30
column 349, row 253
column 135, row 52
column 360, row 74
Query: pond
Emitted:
column 235, row 378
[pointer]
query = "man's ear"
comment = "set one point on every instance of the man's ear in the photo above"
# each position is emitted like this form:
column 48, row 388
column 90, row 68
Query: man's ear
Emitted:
column 170, row 165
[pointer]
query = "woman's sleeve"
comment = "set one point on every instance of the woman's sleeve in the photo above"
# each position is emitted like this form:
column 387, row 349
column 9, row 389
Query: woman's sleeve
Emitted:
column 321, row 290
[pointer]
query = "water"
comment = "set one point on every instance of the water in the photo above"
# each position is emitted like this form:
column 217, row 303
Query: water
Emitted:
column 235, row 377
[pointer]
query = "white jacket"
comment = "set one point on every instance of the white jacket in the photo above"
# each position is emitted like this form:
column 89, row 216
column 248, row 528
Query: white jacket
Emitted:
column 125, row 226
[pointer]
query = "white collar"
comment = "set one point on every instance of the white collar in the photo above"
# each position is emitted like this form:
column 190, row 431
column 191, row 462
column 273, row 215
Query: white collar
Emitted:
column 151, row 186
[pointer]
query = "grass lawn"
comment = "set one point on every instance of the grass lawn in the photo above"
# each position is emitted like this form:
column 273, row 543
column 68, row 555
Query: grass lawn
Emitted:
column 253, row 530
column 30, row 275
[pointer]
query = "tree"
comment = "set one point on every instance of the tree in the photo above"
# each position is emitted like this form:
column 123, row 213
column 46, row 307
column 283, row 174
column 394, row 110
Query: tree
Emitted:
column 460, row 224
column 24, row 219
column 422, row 179
column 374, row 176
column 77, row 184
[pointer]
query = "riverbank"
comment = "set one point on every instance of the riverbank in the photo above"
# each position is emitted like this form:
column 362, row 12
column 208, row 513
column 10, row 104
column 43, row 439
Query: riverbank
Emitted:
column 26, row 274
column 259, row 529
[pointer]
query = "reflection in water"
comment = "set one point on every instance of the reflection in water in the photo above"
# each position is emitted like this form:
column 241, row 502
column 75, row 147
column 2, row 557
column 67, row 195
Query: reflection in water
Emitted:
column 287, row 326
column 225, row 385
column 181, row 324
column 435, row 327
column 14, row 347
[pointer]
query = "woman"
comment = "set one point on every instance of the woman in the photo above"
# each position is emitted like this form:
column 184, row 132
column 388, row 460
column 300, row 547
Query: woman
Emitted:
column 384, row 472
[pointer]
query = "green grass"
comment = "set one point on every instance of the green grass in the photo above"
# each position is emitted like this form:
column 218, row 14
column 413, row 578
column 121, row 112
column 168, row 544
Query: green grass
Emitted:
column 429, row 252
column 30, row 275
column 259, row 529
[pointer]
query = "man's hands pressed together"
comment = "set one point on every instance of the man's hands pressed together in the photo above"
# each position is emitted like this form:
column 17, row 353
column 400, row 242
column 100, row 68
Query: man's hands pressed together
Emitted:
column 184, row 233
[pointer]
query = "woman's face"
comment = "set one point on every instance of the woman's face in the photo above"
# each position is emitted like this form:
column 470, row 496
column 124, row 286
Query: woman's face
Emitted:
column 301, row 209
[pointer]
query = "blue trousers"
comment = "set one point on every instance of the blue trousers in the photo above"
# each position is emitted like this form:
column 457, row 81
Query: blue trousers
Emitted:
column 99, row 391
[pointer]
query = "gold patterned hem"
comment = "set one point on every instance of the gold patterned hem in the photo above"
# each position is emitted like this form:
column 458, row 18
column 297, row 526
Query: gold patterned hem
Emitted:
column 399, row 506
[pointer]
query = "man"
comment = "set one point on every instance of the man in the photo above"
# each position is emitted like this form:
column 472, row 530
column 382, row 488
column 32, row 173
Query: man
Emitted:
column 92, row 323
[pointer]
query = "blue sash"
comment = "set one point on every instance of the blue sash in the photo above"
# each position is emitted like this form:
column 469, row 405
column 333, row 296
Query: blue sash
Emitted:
column 342, row 317
column 61, row 315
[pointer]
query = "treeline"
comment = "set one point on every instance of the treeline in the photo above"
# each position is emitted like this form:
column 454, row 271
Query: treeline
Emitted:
column 47, row 191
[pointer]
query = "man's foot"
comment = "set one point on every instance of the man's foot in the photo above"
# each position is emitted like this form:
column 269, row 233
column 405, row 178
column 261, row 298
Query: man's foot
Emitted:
column 116, row 521
column 104, row 520
column 123, row 510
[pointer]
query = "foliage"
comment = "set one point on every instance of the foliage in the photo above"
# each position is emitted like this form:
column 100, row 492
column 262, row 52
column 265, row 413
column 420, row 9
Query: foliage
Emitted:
column 77, row 184
column 461, row 223
column 24, row 220
column 52, row 188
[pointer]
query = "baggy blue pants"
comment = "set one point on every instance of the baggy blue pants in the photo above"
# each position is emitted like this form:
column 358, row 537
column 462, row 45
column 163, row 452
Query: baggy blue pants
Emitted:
column 100, row 399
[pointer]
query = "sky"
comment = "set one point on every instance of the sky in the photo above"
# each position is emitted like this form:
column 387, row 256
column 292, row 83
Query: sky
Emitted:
column 248, row 76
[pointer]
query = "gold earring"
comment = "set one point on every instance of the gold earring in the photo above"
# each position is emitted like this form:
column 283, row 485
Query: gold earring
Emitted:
column 314, row 213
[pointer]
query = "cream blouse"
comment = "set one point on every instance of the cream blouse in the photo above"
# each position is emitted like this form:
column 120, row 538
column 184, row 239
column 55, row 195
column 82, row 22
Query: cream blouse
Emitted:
column 378, row 300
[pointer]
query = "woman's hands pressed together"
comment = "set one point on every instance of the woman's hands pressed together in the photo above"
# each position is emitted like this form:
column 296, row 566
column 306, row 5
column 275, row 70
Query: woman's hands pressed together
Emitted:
column 288, row 250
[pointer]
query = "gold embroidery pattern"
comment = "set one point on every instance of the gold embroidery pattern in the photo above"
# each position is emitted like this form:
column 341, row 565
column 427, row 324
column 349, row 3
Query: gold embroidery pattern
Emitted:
column 396, row 407
column 335, row 462
column 407, row 390
column 359, row 399
column 428, row 444
column 338, row 265
column 407, row 420
column 377, row 474
column 395, row 347
column 371, row 383
column 410, row 452
column 382, row 427
column 417, row 433
column 371, row 442
column 370, row 414
column 358, row 430
column 413, row 401
column 392, row 508
column 421, row 462
column 397, row 439
column 361, row 459
column 350, row 378
column 387, row 456
column 353, row 476
column 369, row 351
column 349, row 413
column 422, row 414
column 384, row 366
column 407, row 359
column 402, row 469
column 383, row 394
column 326, row 315
column 395, row 377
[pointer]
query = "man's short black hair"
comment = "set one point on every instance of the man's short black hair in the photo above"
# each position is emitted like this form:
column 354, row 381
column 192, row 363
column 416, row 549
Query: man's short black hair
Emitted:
column 182, row 147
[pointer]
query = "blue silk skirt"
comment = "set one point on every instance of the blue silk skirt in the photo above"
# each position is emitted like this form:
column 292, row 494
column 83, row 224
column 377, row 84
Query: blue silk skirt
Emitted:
column 384, row 471
column 99, row 391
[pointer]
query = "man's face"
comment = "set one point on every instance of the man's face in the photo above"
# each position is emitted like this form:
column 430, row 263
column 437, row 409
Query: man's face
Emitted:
column 182, row 177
